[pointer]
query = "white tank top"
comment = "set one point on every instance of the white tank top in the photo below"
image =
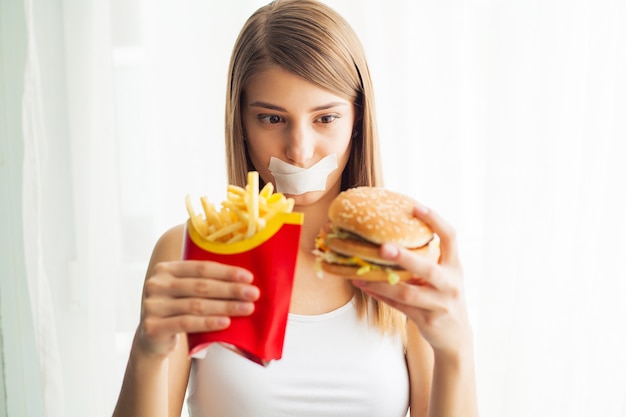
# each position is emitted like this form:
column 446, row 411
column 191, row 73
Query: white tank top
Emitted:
column 333, row 365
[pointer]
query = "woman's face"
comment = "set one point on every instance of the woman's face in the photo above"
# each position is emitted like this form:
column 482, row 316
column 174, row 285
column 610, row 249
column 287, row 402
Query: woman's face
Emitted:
column 287, row 117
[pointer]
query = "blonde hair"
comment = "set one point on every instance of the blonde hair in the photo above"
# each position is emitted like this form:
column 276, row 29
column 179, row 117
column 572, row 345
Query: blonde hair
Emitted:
column 313, row 41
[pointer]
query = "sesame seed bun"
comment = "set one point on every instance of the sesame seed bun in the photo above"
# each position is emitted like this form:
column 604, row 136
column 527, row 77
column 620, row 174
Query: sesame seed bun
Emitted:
column 379, row 215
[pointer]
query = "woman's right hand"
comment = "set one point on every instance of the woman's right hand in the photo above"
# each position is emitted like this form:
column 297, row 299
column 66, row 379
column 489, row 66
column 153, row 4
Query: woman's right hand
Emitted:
column 191, row 296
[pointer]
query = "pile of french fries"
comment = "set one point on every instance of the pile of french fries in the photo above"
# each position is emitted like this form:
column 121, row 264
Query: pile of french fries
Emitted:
column 245, row 212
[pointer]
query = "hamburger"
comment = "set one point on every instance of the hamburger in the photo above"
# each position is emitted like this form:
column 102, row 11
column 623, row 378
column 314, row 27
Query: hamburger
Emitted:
column 361, row 219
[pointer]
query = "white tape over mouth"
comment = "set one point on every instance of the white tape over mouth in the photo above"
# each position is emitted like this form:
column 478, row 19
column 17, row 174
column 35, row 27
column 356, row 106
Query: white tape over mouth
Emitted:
column 294, row 180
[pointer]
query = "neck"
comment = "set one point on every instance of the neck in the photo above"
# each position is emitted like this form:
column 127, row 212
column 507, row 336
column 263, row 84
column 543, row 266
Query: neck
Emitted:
column 315, row 217
column 312, row 295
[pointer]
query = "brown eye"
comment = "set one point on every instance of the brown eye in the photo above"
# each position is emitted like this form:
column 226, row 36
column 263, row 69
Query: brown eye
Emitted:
column 329, row 118
column 270, row 118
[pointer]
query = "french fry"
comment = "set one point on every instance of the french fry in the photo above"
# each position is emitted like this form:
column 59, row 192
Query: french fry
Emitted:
column 225, row 231
column 267, row 190
column 252, row 190
column 196, row 220
column 282, row 206
column 245, row 212
column 209, row 211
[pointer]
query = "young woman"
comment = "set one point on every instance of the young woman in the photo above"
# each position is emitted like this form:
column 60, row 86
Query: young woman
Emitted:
column 299, row 91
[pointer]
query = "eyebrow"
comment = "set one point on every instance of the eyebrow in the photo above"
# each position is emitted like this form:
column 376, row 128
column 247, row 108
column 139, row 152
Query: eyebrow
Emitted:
column 270, row 106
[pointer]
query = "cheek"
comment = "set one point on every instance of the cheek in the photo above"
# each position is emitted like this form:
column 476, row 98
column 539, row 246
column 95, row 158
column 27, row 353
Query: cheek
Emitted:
column 257, row 153
column 259, row 144
column 341, row 147
column 260, row 157
column 343, row 156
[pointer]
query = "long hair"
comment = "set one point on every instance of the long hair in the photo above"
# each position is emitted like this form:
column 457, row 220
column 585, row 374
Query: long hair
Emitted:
column 309, row 39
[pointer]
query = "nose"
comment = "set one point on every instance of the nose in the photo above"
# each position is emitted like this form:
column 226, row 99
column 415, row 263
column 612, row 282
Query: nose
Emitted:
column 300, row 145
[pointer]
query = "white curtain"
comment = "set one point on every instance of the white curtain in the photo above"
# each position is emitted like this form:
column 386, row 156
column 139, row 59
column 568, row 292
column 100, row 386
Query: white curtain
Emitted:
column 506, row 117
column 35, row 150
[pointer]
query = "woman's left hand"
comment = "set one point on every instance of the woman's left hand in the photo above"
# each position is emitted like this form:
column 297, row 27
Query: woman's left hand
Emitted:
column 434, row 298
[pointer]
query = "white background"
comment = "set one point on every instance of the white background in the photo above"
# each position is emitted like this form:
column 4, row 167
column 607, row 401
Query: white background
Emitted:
column 506, row 117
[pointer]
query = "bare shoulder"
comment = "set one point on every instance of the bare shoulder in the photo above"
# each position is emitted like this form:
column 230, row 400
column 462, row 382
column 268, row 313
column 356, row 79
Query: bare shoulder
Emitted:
column 169, row 246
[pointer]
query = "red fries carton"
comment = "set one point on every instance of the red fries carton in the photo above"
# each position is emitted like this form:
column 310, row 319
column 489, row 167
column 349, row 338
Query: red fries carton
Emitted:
column 271, row 256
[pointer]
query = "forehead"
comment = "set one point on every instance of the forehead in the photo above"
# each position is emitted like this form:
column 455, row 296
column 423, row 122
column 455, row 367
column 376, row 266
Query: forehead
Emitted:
column 283, row 88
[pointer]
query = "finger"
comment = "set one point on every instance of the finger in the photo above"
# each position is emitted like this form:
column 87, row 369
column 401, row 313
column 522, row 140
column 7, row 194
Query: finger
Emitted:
column 160, row 328
column 403, row 296
column 199, row 288
column 445, row 231
column 210, row 288
column 204, row 269
column 162, row 307
column 421, row 267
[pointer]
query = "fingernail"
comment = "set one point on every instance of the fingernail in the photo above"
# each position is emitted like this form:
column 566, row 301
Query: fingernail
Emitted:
column 245, row 308
column 244, row 276
column 421, row 208
column 251, row 293
column 222, row 321
column 390, row 250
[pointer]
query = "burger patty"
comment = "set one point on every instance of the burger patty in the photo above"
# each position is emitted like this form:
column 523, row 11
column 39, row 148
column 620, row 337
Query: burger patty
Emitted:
column 357, row 247
column 345, row 248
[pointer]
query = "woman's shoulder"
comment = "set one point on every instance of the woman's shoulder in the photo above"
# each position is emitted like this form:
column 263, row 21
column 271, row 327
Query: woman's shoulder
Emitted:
column 173, row 234
column 169, row 245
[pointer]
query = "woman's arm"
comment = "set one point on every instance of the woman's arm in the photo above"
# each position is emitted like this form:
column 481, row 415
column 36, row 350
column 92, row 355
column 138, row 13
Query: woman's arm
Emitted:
column 454, row 387
column 154, row 385
column 179, row 297
column 419, row 356
column 434, row 302
column 441, row 384
column 155, row 382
